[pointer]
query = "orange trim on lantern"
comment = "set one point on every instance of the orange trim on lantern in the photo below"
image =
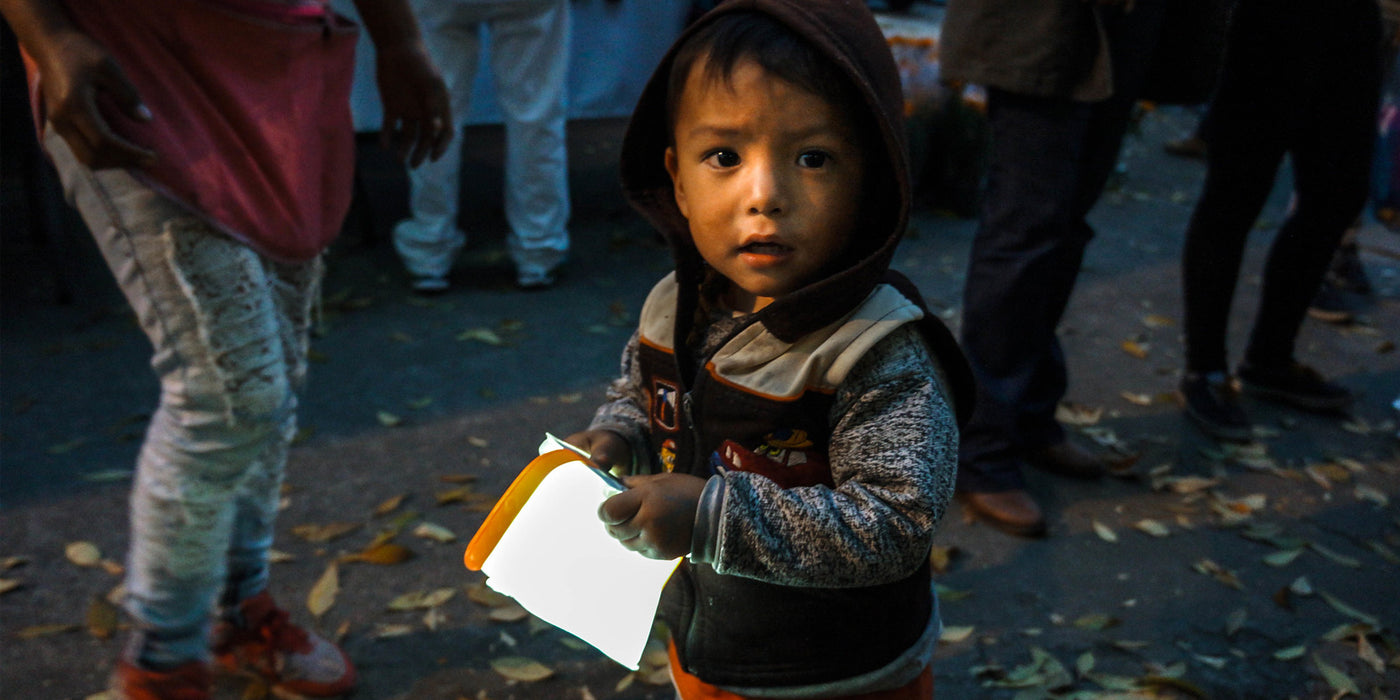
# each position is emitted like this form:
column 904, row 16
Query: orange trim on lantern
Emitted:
column 503, row 513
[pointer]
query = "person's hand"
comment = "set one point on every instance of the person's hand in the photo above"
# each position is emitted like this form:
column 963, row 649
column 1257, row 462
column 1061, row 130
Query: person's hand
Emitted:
column 417, row 111
column 607, row 449
column 655, row 515
column 76, row 73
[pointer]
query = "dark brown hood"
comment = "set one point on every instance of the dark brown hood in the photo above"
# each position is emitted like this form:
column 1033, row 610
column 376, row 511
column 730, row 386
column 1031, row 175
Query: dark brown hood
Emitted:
column 846, row 32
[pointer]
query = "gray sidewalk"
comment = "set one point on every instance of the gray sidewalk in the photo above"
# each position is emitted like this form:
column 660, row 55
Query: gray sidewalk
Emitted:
column 1226, row 575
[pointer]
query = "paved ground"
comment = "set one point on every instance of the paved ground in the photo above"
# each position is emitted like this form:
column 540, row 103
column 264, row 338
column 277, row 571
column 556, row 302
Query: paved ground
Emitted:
column 1200, row 572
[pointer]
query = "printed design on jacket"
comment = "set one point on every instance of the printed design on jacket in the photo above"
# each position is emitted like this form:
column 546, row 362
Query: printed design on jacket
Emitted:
column 668, row 455
column 785, row 456
column 665, row 405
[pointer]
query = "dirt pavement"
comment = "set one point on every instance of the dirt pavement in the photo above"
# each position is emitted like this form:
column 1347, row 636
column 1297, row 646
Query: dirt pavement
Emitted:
column 1173, row 578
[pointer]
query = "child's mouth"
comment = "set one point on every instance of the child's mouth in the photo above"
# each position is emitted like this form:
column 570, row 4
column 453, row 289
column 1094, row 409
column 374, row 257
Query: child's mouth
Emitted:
column 762, row 248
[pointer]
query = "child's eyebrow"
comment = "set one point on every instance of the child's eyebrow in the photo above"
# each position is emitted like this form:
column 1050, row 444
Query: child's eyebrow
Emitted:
column 726, row 132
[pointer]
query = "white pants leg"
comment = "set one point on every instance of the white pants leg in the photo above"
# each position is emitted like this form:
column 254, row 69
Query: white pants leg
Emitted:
column 529, row 42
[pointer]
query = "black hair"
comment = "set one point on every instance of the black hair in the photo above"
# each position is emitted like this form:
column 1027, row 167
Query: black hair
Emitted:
column 775, row 47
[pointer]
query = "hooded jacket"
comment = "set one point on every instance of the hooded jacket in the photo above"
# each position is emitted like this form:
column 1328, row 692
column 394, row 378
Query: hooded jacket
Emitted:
column 739, row 631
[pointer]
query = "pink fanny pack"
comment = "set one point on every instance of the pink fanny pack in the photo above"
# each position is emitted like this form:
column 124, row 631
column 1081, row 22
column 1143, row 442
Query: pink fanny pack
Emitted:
column 251, row 101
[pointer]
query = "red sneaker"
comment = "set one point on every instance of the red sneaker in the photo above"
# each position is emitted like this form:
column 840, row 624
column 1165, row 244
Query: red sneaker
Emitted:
column 287, row 656
column 192, row 681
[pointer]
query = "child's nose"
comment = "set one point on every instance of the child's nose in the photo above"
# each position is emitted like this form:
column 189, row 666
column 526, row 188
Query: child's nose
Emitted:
column 767, row 189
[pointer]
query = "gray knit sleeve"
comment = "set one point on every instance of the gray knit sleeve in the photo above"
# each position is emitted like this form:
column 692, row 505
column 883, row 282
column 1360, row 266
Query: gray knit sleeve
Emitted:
column 893, row 458
column 624, row 410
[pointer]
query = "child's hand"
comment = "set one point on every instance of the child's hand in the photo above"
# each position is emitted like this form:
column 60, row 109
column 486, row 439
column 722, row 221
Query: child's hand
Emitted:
column 655, row 515
column 607, row 448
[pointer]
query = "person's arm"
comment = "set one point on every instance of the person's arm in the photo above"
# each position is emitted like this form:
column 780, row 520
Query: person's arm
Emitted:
column 617, row 435
column 417, row 111
column 893, row 456
column 74, row 71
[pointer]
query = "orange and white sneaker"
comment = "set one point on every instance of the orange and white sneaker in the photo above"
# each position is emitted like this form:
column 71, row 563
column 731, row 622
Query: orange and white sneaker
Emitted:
column 191, row 681
column 285, row 655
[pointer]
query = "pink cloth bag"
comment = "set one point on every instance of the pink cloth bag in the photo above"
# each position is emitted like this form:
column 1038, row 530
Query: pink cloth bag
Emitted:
column 251, row 101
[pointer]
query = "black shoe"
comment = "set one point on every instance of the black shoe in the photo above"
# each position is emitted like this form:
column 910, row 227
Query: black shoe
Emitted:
column 1333, row 304
column 1294, row 384
column 1210, row 399
column 1346, row 271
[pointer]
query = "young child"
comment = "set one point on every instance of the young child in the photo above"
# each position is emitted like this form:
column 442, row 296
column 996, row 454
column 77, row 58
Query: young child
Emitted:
column 788, row 409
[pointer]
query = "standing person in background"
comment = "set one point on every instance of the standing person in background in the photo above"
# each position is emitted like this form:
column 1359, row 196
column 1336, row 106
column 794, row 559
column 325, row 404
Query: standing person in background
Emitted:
column 1062, row 78
column 1299, row 79
column 529, row 56
column 212, row 191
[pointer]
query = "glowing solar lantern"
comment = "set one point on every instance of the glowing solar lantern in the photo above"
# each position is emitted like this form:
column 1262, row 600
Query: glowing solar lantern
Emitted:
column 543, row 545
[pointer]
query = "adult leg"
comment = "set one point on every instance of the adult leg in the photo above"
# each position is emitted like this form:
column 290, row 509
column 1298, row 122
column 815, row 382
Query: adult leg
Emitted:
column 206, row 305
column 1024, row 261
column 530, row 60
column 428, row 242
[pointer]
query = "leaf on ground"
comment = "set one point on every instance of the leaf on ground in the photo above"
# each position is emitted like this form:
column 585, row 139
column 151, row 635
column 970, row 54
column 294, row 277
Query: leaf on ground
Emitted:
column 457, row 495
column 322, row 595
column 1136, row 349
column 1342, row 607
column 390, row 505
column 520, row 668
column 82, row 553
column 458, row 478
column 1235, row 621
column 275, row 556
column 941, row 557
column 1096, row 621
column 1187, row 484
column 1158, row 321
column 481, row 335
column 35, row 631
column 7, row 563
column 1366, row 492
column 102, row 618
column 1368, row 655
column 481, row 594
column 955, row 634
column 385, row 630
column 1219, row 573
column 1077, row 415
column 1340, row 682
column 388, row 420
column 64, row 448
column 1215, row 662
column 1335, row 556
column 317, row 534
column 1301, row 586
column 422, row 600
column 434, row 619
column 420, row 403
column 1104, row 532
column 1137, row 399
column 383, row 554
column 434, row 532
column 1283, row 557
column 103, row 476
column 509, row 613
column 1152, row 527
column 480, row 442
column 1385, row 552
column 10, row 584
column 1291, row 653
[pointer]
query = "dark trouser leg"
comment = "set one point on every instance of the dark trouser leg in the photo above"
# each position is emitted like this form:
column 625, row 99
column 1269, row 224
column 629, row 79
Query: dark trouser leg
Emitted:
column 1024, row 260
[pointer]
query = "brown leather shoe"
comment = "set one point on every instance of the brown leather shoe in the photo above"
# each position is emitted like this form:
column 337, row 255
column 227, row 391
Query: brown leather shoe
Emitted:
column 1012, row 512
column 1067, row 459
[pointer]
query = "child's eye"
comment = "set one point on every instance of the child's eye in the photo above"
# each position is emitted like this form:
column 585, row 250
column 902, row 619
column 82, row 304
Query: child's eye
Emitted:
column 812, row 159
column 723, row 159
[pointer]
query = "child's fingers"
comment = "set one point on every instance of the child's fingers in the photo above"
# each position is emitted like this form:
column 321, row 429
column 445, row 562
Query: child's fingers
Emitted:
column 617, row 514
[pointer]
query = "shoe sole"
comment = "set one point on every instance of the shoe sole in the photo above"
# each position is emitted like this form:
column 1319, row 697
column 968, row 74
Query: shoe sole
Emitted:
column 1311, row 404
column 1034, row 530
column 1330, row 316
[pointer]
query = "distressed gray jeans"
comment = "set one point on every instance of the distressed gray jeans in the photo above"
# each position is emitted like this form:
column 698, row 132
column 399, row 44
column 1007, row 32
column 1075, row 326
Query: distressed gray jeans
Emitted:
column 229, row 331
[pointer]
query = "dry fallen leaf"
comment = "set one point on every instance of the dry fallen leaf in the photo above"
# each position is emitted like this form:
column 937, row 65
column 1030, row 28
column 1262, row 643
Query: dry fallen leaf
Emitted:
column 1340, row 606
column 422, row 600
column 384, row 554
column 509, row 613
column 481, row 335
column 1340, row 682
column 955, row 634
column 433, row 619
column 102, row 618
column 9, row 584
column 384, row 630
column 519, row 668
column 388, row 420
column 322, row 595
column 1077, row 415
column 83, row 553
column 1368, row 655
column 1096, row 621
column 1366, row 492
column 1291, row 653
column 390, row 505
column 317, row 534
column 34, row 631
column 1335, row 556
column 1283, row 557
column 434, row 532
column 1152, row 527
column 480, row 594
column 1104, row 532
column 1218, row 572
column 1136, row 349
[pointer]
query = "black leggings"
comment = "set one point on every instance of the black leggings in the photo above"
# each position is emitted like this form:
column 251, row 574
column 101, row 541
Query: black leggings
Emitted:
column 1301, row 78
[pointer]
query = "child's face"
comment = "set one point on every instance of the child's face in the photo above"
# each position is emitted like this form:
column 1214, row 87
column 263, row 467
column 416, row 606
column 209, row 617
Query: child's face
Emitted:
column 769, row 177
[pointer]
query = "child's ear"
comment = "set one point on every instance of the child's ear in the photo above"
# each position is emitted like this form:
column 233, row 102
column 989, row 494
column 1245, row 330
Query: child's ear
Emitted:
column 671, row 169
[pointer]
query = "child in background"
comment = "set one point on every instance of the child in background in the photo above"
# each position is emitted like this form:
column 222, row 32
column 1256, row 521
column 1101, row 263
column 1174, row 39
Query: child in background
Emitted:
column 788, row 408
